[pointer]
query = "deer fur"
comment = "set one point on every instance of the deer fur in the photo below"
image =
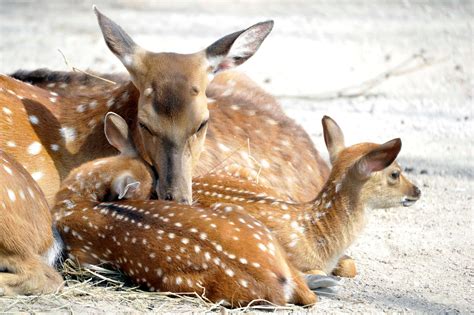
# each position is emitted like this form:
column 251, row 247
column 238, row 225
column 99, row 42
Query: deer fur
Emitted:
column 28, row 249
column 316, row 234
column 246, row 125
column 165, row 246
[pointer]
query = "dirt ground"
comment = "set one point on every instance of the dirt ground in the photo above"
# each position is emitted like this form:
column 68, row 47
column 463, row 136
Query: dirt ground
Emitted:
column 417, row 259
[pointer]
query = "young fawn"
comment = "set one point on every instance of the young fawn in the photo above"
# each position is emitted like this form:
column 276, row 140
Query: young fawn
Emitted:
column 166, row 246
column 167, row 109
column 28, row 249
column 316, row 234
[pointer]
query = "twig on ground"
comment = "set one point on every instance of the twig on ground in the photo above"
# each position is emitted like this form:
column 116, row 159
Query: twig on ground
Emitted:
column 84, row 72
column 405, row 67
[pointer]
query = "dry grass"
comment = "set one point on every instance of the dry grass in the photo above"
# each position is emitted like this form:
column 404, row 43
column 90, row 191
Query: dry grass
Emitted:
column 96, row 289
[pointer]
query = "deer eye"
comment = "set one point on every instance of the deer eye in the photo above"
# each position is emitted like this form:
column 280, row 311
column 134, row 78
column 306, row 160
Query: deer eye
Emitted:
column 144, row 127
column 194, row 90
column 395, row 175
column 204, row 123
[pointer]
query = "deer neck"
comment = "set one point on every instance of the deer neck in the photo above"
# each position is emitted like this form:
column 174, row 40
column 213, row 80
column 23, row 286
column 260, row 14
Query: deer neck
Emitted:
column 82, row 126
column 335, row 218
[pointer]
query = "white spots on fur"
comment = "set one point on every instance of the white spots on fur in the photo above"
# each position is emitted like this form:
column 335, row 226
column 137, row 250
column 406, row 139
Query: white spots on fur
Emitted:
column 7, row 169
column 11, row 144
column 235, row 107
column 230, row 272
column 81, row 108
column 328, row 205
column 34, row 148
column 338, row 187
column 37, row 175
column 244, row 283
column 93, row 104
column 11, row 195
column 262, row 247
column 68, row 134
column 33, row 119
column 223, row 147
column 271, row 121
column 264, row 163
column 54, row 147
column 7, row 111
column 53, row 99
column 148, row 91
column 110, row 102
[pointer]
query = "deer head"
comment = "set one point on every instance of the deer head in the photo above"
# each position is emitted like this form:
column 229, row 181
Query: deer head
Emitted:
column 172, row 109
column 385, row 186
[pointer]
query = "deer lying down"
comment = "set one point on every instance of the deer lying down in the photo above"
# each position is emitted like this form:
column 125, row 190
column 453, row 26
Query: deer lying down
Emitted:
column 28, row 249
column 165, row 246
column 316, row 234
column 167, row 108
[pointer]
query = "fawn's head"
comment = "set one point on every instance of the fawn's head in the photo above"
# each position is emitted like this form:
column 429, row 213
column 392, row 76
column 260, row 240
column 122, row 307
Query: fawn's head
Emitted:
column 172, row 108
column 131, row 178
column 384, row 185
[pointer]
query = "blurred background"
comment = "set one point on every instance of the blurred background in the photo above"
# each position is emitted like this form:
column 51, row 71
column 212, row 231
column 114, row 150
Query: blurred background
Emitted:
column 409, row 69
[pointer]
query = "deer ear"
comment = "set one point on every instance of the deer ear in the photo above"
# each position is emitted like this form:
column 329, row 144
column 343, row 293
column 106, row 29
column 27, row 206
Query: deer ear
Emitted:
column 378, row 159
column 333, row 137
column 119, row 42
column 234, row 49
column 124, row 186
column 118, row 135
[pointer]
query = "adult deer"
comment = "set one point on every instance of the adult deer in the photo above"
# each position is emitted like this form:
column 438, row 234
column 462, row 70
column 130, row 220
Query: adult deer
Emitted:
column 168, row 113
column 28, row 249
column 316, row 234
column 165, row 246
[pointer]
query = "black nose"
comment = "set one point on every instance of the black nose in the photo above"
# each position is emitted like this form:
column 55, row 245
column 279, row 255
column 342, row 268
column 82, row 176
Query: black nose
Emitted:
column 184, row 201
column 169, row 196
column 417, row 192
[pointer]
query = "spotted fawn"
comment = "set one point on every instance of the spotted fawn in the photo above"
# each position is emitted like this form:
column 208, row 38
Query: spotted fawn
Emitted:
column 166, row 246
column 316, row 234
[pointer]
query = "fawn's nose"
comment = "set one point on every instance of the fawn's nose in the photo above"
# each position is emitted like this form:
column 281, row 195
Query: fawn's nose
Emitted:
column 417, row 192
column 182, row 200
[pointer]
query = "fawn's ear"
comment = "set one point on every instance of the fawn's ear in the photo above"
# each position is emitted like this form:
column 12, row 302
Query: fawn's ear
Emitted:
column 118, row 41
column 118, row 135
column 124, row 186
column 333, row 137
column 378, row 159
column 234, row 49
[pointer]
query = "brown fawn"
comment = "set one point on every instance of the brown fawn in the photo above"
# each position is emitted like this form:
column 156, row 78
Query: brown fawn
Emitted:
column 165, row 246
column 28, row 249
column 316, row 234
column 167, row 109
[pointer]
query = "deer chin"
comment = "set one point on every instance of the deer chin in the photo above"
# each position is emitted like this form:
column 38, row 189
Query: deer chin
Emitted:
column 407, row 201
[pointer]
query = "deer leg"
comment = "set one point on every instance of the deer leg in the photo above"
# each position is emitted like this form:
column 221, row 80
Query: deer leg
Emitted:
column 30, row 276
column 345, row 267
column 302, row 294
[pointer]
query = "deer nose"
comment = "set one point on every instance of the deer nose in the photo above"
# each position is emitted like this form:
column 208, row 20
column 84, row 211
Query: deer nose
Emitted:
column 417, row 192
column 169, row 196
column 185, row 201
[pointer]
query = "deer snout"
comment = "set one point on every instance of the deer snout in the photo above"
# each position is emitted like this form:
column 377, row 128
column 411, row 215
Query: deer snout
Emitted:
column 412, row 198
column 416, row 192
column 183, row 200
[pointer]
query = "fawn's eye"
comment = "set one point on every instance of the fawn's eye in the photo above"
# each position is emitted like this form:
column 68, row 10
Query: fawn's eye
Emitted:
column 395, row 175
column 194, row 90
column 144, row 127
column 201, row 127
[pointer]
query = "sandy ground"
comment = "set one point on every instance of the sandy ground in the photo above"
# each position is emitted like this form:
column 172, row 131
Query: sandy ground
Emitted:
column 417, row 259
